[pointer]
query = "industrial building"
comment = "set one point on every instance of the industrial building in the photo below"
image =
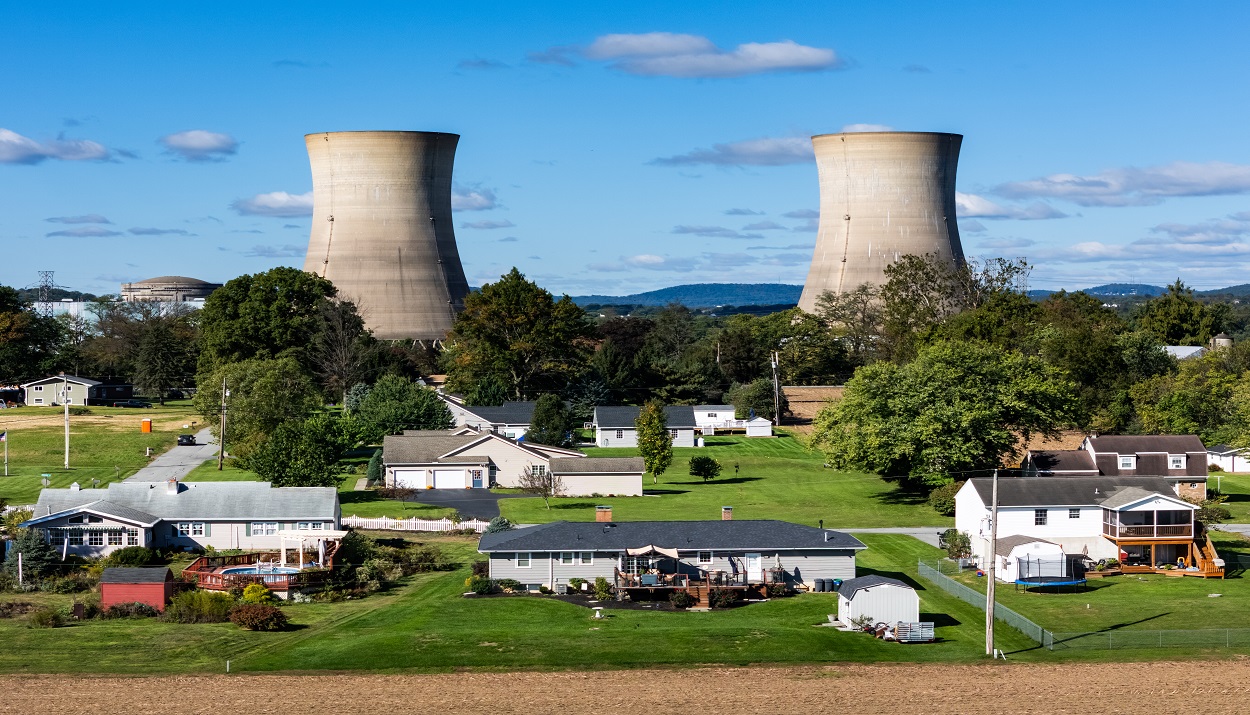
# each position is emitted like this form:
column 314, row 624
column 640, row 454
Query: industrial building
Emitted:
column 168, row 289
column 883, row 195
column 382, row 228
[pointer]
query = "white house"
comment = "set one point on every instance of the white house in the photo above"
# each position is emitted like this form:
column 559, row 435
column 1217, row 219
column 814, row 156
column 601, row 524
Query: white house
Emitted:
column 709, row 417
column 614, row 426
column 881, row 599
column 1138, row 520
column 1229, row 458
column 466, row 458
column 511, row 419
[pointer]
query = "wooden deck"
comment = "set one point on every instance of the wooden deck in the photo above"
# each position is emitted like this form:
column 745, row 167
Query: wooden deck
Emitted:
column 206, row 572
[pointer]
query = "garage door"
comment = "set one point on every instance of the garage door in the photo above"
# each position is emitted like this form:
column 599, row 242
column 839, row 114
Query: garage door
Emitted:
column 449, row 479
column 410, row 478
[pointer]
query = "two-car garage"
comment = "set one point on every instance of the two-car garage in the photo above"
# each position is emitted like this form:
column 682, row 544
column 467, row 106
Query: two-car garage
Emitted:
column 438, row 478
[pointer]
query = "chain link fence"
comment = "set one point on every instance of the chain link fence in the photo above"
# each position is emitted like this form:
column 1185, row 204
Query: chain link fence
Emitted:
column 933, row 572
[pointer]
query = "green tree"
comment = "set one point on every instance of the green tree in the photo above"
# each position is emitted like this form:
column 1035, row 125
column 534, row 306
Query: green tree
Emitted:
column 958, row 408
column 1199, row 399
column 1178, row 318
column 517, row 331
column 263, row 395
column 396, row 403
column 39, row 559
column 705, row 467
column 487, row 392
column 161, row 362
column 374, row 471
column 551, row 423
column 655, row 442
column 277, row 313
column 343, row 353
column 299, row 454
column 28, row 341
column 755, row 397
column 856, row 316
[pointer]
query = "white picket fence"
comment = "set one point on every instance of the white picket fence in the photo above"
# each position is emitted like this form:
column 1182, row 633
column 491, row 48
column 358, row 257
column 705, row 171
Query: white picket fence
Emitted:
column 414, row 524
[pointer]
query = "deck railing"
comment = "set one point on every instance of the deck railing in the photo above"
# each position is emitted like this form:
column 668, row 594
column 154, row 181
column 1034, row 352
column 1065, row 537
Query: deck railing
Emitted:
column 1148, row 531
column 386, row 523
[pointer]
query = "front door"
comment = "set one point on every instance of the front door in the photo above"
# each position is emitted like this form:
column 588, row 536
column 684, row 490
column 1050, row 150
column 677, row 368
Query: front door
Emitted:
column 477, row 479
column 755, row 568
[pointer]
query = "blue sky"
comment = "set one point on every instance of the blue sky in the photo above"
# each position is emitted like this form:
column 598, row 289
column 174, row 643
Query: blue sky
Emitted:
column 628, row 147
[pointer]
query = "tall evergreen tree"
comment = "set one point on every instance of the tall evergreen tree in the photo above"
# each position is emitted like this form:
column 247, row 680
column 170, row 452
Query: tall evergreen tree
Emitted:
column 550, row 423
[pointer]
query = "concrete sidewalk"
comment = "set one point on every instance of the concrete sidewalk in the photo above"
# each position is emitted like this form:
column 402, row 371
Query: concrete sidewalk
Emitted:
column 927, row 534
column 178, row 461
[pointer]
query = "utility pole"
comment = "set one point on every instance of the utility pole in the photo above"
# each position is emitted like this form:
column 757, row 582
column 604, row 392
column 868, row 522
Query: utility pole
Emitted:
column 776, row 391
column 221, row 435
column 65, row 406
column 989, row 573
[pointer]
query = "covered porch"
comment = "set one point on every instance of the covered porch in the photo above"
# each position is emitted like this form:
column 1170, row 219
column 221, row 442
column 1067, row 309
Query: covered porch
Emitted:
column 651, row 572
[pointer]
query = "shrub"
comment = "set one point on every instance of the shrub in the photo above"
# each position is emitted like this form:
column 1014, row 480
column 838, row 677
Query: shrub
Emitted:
column 72, row 583
column 130, row 556
column 79, row 410
column 704, row 466
column 12, row 609
column 45, row 617
column 576, row 583
column 129, row 610
column 373, row 472
column 1213, row 467
column 257, row 593
column 723, row 597
column 859, row 623
column 681, row 599
column 1211, row 511
column 942, row 499
column 199, row 607
column 39, row 559
column 509, row 585
column 499, row 524
column 603, row 589
column 480, row 585
column 958, row 545
column 258, row 617
column 777, row 590
column 481, row 568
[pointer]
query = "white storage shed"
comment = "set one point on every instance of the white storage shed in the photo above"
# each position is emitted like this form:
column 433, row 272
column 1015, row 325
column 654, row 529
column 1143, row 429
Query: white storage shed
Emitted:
column 760, row 427
column 1011, row 549
column 884, row 600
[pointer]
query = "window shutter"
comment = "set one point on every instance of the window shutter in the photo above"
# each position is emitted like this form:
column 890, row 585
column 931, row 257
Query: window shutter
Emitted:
column 247, row 529
column 208, row 529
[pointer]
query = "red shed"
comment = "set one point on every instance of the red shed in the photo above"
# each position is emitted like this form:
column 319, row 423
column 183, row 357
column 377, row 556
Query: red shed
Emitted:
column 151, row 585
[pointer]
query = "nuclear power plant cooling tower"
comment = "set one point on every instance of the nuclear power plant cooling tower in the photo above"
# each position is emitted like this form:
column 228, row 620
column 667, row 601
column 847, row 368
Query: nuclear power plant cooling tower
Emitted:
column 882, row 195
column 382, row 231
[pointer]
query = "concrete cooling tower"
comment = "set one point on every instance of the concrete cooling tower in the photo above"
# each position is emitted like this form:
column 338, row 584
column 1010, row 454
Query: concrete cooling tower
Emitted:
column 382, row 228
column 882, row 195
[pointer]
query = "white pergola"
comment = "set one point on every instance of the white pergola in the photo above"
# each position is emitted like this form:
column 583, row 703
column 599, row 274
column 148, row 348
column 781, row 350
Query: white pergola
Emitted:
column 301, row 537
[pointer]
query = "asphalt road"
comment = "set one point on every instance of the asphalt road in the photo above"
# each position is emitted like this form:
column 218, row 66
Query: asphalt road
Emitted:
column 178, row 461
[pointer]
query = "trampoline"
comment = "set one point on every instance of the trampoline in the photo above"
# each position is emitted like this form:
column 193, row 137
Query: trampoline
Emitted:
column 1033, row 572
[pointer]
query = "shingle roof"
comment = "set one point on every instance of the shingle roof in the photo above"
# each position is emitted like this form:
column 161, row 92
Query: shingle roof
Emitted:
column 1139, row 443
column 852, row 586
column 122, row 512
column 714, row 408
column 1004, row 545
column 1062, row 460
column 1127, row 496
column 143, row 574
column 1225, row 449
column 422, row 448
column 509, row 413
column 622, row 417
column 597, row 465
column 70, row 378
column 1063, row 491
column 229, row 501
column 683, row 535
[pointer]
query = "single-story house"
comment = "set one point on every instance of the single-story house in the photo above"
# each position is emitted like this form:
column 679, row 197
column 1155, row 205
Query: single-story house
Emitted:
column 882, row 599
column 196, row 515
column 151, row 585
column 1138, row 520
column 614, row 426
column 1229, row 458
column 708, row 417
column 466, row 458
column 80, row 391
column 1179, row 458
column 670, row 554
column 511, row 419
column 1011, row 550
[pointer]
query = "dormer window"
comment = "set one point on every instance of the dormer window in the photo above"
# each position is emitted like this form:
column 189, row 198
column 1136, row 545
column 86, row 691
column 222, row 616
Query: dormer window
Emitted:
column 1176, row 461
column 1127, row 462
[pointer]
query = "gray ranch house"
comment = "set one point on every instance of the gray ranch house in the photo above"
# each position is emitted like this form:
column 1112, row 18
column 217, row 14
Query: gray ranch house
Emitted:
column 511, row 419
column 651, row 556
column 224, row 515
column 614, row 426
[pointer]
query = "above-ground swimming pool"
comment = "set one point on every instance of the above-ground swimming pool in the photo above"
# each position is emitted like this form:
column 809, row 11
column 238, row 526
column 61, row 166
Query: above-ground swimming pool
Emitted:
column 267, row 574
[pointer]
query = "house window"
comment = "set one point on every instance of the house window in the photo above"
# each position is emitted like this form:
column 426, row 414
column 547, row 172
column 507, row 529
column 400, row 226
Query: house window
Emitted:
column 95, row 538
column 190, row 528
column 1127, row 462
column 75, row 538
column 1074, row 513
column 705, row 558
column 711, row 415
column 76, row 519
column 587, row 558
column 264, row 528
column 566, row 558
column 115, row 538
column 1176, row 461
column 1039, row 517
column 57, row 537
column 93, row 519
column 132, row 537
column 38, row 388
column 311, row 525
column 523, row 560
column 538, row 470
column 38, row 400
column 673, row 432
column 620, row 434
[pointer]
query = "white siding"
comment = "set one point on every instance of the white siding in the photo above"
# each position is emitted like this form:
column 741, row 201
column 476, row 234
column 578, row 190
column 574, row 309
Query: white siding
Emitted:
column 883, row 603
column 629, row 437
column 619, row 485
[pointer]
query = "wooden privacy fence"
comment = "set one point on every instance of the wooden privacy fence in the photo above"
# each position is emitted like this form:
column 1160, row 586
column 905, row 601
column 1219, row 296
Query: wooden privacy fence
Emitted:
column 386, row 523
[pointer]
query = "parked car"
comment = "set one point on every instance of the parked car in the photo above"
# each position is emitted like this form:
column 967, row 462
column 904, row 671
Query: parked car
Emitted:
column 186, row 440
column 132, row 403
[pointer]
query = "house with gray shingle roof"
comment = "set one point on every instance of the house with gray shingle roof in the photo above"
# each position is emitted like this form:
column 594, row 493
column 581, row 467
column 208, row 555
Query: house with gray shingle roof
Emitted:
column 195, row 515
column 1180, row 458
column 467, row 459
column 511, row 419
column 614, row 426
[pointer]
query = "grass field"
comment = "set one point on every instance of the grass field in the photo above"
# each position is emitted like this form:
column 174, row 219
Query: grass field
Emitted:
column 425, row 624
column 1237, row 487
column 105, row 445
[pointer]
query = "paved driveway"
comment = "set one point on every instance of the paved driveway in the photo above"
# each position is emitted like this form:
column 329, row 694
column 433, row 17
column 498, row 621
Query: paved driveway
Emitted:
column 927, row 534
column 178, row 461
column 480, row 503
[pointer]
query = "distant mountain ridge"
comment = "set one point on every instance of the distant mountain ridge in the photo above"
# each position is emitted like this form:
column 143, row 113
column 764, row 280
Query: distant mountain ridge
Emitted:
column 704, row 295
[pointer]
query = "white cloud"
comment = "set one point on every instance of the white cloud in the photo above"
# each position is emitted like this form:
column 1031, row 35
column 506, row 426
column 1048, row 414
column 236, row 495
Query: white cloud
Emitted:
column 1168, row 246
column 17, row 149
column 139, row 231
column 286, row 251
column 87, row 218
column 653, row 262
column 974, row 206
column 1006, row 243
column 472, row 198
column 279, row 204
column 487, row 225
column 764, row 226
column 200, row 145
column 802, row 213
column 713, row 232
column 86, row 232
column 667, row 54
column 853, row 128
column 743, row 212
column 768, row 151
column 1133, row 186
column 972, row 226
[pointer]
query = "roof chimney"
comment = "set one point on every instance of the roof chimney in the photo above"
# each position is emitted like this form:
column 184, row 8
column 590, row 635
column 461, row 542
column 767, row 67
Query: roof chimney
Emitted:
column 171, row 486
column 726, row 513
column 603, row 513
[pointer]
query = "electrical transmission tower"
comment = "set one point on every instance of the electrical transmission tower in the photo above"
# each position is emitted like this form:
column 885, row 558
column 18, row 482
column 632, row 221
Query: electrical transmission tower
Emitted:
column 45, row 285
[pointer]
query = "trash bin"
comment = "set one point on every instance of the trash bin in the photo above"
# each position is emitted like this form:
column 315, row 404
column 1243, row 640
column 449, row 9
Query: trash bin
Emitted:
column 146, row 425
column 820, row 585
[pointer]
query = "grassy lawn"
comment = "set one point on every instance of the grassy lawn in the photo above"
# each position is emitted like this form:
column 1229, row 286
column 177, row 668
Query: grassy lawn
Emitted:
column 105, row 445
column 1237, row 487
column 1146, row 602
